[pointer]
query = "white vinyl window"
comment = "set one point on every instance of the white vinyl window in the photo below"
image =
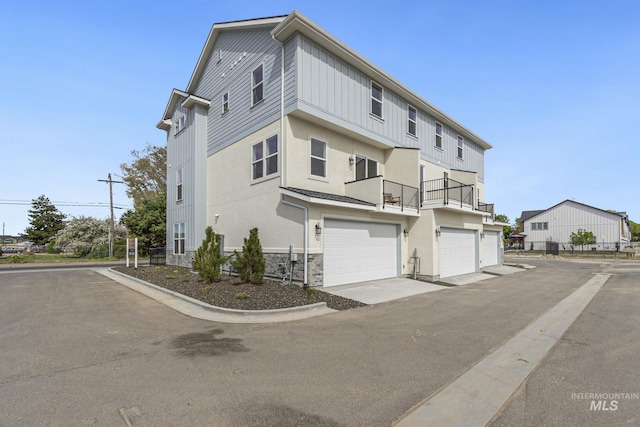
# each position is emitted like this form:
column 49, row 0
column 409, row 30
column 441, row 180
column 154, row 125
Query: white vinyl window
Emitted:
column 180, row 124
column 225, row 102
column 412, row 122
column 318, row 158
column 460, row 147
column 257, row 88
column 376, row 99
column 365, row 168
column 264, row 157
column 178, row 184
column 438, row 135
column 178, row 238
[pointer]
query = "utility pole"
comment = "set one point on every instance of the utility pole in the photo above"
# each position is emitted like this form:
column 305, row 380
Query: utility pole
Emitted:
column 112, row 228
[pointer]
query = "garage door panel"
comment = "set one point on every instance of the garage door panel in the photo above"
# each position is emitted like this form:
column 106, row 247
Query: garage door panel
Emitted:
column 359, row 251
column 458, row 251
column 490, row 248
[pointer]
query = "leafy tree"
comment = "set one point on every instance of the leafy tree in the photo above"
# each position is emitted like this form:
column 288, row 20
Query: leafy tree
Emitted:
column 250, row 264
column 45, row 220
column 581, row 238
column 635, row 230
column 146, row 175
column 506, row 229
column 87, row 235
column 148, row 223
column 208, row 260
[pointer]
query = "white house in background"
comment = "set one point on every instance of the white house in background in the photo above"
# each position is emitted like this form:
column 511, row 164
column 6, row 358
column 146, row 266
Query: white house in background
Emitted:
column 285, row 128
column 610, row 229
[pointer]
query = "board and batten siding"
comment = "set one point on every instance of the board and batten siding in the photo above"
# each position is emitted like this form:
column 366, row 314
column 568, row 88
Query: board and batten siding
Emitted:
column 187, row 150
column 568, row 217
column 336, row 91
column 241, row 52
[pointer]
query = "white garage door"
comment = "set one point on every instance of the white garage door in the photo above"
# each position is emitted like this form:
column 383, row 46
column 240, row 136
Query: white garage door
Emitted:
column 457, row 252
column 359, row 251
column 491, row 247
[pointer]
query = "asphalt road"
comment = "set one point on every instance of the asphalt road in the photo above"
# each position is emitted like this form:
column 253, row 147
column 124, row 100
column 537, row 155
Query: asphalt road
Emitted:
column 79, row 349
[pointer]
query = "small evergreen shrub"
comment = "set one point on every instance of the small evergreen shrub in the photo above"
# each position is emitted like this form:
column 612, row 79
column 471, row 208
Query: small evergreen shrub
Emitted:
column 208, row 259
column 250, row 264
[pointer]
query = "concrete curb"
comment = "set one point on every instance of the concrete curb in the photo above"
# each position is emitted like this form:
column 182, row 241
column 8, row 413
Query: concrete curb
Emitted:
column 200, row 310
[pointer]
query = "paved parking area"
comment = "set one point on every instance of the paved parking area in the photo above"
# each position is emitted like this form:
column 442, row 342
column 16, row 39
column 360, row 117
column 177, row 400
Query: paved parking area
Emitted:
column 78, row 348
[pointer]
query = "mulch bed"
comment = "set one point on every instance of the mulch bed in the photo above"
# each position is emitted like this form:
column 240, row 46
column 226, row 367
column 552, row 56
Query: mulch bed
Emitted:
column 230, row 292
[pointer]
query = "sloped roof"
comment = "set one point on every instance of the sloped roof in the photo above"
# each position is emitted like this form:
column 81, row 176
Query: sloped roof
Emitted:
column 526, row 215
column 327, row 196
column 284, row 26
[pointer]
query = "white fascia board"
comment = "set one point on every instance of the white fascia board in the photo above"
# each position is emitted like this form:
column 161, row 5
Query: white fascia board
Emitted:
column 317, row 201
column 193, row 100
column 213, row 36
column 164, row 124
column 173, row 99
column 297, row 22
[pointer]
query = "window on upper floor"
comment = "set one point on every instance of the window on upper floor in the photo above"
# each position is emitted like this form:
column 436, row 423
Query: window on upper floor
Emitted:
column 318, row 158
column 438, row 135
column 179, row 238
column 225, row 102
column 376, row 99
column 257, row 88
column 178, row 184
column 264, row 158
column 460, row 147
column 180, row 124
column 412, row 122
column 365, row 168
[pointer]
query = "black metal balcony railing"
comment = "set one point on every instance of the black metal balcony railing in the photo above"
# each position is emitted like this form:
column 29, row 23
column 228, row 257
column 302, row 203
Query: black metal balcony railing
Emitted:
column 403, row 196
column 487, row 207
column 448, row 190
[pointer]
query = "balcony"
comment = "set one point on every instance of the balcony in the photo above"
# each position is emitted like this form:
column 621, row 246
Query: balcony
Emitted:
column 388, row 196
column 446, row 192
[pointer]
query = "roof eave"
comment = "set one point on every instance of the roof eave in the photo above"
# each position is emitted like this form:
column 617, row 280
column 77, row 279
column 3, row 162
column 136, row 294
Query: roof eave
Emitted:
column 213, row 36
column 297, row 22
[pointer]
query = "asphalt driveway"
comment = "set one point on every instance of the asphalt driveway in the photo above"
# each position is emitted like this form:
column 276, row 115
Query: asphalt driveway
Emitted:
column 79, row 348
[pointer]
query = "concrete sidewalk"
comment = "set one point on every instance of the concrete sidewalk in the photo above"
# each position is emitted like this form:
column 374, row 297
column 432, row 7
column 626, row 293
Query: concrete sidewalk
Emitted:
column 383, row 290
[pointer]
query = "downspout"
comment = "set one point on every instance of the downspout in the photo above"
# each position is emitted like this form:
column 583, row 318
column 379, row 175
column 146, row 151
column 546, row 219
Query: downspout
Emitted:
column 305, row 244
column 282, row 137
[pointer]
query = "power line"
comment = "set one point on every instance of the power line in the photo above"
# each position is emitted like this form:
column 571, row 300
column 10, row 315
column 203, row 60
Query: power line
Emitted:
column 71, row 204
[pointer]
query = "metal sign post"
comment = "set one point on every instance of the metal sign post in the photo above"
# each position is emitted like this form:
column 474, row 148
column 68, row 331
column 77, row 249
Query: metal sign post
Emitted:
column 132, row 249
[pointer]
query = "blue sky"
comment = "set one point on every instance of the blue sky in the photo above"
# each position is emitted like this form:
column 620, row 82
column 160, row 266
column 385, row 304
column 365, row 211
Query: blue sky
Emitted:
column 553, row 86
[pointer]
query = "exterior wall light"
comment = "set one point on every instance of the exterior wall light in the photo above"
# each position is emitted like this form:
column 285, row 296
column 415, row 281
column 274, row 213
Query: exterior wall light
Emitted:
column 482, row 235
column 438, row 232
column 351, row 161
column 318, row 230
column 406, row 233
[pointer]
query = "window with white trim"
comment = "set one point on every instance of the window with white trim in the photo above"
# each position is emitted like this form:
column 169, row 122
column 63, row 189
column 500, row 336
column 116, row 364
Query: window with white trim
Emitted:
column 178, row 238
column 178, row 184
column 460, row 146
column 264, row 157
column 225, row 102
column 376, row 99
column 318, row 158
column 412, row 121
column 438, row 135
column 365, row 168
column 180, row 124
column 257, row 88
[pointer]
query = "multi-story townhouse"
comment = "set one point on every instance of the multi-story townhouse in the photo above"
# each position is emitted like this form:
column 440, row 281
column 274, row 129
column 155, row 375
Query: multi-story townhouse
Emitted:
column 611, row 229
column 285, row 128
